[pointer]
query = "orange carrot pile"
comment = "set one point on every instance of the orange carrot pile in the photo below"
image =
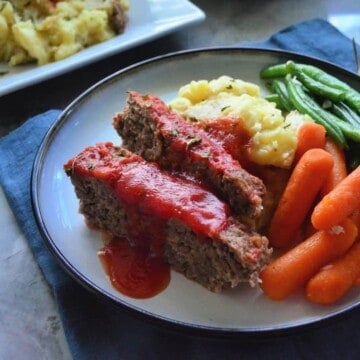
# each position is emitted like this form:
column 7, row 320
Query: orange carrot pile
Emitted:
column 339, row 171
column 339, row 203
column 309, row 136
column 304, row 184
column 335, row 279
column 294, row 268
column 321, row 203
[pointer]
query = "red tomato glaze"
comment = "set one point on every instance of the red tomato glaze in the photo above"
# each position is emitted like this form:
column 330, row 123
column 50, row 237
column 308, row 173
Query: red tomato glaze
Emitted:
column 165, row 197
column 150, row 198
column 232, row 135
column 189, row 140
column 132, row 271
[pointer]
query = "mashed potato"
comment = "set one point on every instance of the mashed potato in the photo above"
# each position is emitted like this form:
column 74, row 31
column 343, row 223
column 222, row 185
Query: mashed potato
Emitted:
column 51, row 30
column 273, row 136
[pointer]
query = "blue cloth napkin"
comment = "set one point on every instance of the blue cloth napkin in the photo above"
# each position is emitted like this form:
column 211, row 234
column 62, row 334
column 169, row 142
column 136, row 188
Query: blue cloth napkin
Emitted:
column 96, row 330
column 316, row 38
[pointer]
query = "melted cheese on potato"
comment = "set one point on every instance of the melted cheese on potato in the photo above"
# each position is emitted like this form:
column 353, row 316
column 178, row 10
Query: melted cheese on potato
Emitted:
column 51, row 30
column 273, row 136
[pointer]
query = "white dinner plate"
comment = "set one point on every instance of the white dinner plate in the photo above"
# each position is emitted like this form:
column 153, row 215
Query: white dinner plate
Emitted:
column 88, row 120
column 148, row 20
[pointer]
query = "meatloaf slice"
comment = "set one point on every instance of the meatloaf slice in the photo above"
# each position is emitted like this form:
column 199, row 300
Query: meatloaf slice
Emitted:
column 190, row 227
column 149, row 128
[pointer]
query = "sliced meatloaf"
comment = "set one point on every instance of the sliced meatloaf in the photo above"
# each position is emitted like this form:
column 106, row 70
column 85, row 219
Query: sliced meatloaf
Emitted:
column 189, row 226
column 149, row 128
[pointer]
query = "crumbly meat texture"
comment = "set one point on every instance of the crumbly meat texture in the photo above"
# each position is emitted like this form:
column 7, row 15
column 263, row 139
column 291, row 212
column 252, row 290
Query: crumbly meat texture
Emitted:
column 236, row 254
column 149, row 128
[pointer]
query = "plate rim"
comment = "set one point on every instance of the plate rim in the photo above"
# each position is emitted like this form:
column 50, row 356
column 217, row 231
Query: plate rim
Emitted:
column 117, row 303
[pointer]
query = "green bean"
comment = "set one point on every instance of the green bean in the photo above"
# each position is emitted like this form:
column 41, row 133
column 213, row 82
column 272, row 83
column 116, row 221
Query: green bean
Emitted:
column 314, row 86
column 304, row 104
column 349, row 131
column 323, row 77
column 345, row 113
column 280, row 88
column 352, row 112
column 352, row 97
column 274, row 98
column 274, row 71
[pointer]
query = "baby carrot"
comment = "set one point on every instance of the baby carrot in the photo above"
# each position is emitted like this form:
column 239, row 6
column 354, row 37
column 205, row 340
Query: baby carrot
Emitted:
column 335, row 279
column 295, row 267
column 304, row 184
column 308, row 228
column 339, row 171
column 309, row 136
column 355, row 217
column 339, row 203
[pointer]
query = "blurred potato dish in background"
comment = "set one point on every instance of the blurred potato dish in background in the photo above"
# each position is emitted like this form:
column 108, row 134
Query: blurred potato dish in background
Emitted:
column 45, row 31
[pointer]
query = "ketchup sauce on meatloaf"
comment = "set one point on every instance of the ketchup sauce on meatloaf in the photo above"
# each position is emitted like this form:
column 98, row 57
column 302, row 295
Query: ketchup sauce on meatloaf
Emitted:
column 149, row 128
column 150, row 198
